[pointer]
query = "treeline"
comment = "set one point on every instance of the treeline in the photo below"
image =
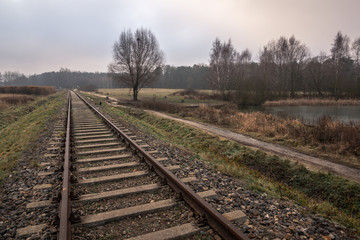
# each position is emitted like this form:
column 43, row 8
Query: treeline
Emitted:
column 64, row 78
column 184, row 77
column 285, row 68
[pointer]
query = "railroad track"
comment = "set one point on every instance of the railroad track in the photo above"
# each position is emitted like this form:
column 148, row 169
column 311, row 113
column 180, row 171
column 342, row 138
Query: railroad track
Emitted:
column 117, row 187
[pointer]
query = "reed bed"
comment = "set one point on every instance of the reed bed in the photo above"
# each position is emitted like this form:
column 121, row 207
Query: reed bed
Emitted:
column 14, row 99
column 326, row 135
column 313, row 102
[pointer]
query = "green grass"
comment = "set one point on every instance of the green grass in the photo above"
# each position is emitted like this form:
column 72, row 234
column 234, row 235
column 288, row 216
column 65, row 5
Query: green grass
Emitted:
column 329, row 195
column 18, row 135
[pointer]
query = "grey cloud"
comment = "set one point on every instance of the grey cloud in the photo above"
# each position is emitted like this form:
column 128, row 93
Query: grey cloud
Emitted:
column 42, row 35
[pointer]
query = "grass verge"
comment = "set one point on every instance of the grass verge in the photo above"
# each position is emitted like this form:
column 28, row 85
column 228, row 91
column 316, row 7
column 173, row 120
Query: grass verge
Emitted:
column 11, row 113
column 326, row 194
column 17, row 136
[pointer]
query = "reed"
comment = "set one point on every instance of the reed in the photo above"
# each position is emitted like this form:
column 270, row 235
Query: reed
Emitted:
column 15, row 99
column 313, row 102
column 326, row 136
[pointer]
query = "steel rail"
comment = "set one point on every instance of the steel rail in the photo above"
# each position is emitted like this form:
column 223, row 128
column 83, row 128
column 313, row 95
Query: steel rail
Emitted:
column 65, row 203
column 222, row 225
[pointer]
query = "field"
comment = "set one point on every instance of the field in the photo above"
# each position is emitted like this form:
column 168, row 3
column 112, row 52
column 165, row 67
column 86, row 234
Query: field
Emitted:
column 163, row 95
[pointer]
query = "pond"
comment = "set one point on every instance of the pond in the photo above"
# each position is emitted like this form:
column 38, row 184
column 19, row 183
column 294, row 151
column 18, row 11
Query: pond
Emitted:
column 310, row 114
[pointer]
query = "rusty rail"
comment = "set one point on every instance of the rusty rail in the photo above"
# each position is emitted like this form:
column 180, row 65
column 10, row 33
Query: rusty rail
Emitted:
column 223, row 226
column 65, row 203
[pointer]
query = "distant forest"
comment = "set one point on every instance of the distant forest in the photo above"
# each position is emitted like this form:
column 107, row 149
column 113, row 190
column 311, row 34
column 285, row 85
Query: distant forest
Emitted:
column 283, row 68
column 194, row 77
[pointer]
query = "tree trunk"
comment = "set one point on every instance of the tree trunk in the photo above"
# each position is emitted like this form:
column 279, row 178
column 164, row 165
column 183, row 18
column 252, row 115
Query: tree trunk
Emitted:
column 135, row 94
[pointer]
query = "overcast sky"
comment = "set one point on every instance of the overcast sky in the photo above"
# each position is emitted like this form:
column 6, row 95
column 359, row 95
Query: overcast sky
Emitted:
column 44, row 35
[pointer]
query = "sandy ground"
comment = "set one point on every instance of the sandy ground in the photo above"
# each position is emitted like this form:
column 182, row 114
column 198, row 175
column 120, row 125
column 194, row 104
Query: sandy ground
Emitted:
column 310, row 162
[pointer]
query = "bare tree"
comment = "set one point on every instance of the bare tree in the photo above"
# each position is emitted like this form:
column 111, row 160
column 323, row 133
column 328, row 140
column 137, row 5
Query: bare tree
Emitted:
column 222, row 67
column 137, row 60
column 9, row 76
column 340, row 53
column 281, row 49
column 356, row 50
column 243, row 85
column 316, row 72
column 267, row 73
column 297, row 56
column 243, row 60
column 289, row 56
column 356, row 56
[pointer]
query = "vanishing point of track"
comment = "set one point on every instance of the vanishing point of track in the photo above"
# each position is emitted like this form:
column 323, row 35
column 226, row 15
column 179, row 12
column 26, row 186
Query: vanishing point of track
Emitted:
column 103, row 163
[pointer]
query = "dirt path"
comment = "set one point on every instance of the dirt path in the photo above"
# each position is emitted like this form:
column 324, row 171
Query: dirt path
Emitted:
column 307, row 160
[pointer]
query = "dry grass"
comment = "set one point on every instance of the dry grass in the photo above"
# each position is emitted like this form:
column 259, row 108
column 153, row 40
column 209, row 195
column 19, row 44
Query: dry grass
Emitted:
column 14, row 99
column 34, row 90
column 313, row 102
column 326, row 137
column 337, row 140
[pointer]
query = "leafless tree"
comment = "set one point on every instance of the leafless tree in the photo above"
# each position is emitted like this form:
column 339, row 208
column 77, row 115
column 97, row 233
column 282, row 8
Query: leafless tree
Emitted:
column 243, row 85
column 297, row 56
column 222, row 67
column 316, row 73
column 340, row 53
column 137, row 60
column 356, row 50
column 9, row 76
column 280, row 49
column 267, row 73
column 289, row 56
column 356, row 56
column 243, row 60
